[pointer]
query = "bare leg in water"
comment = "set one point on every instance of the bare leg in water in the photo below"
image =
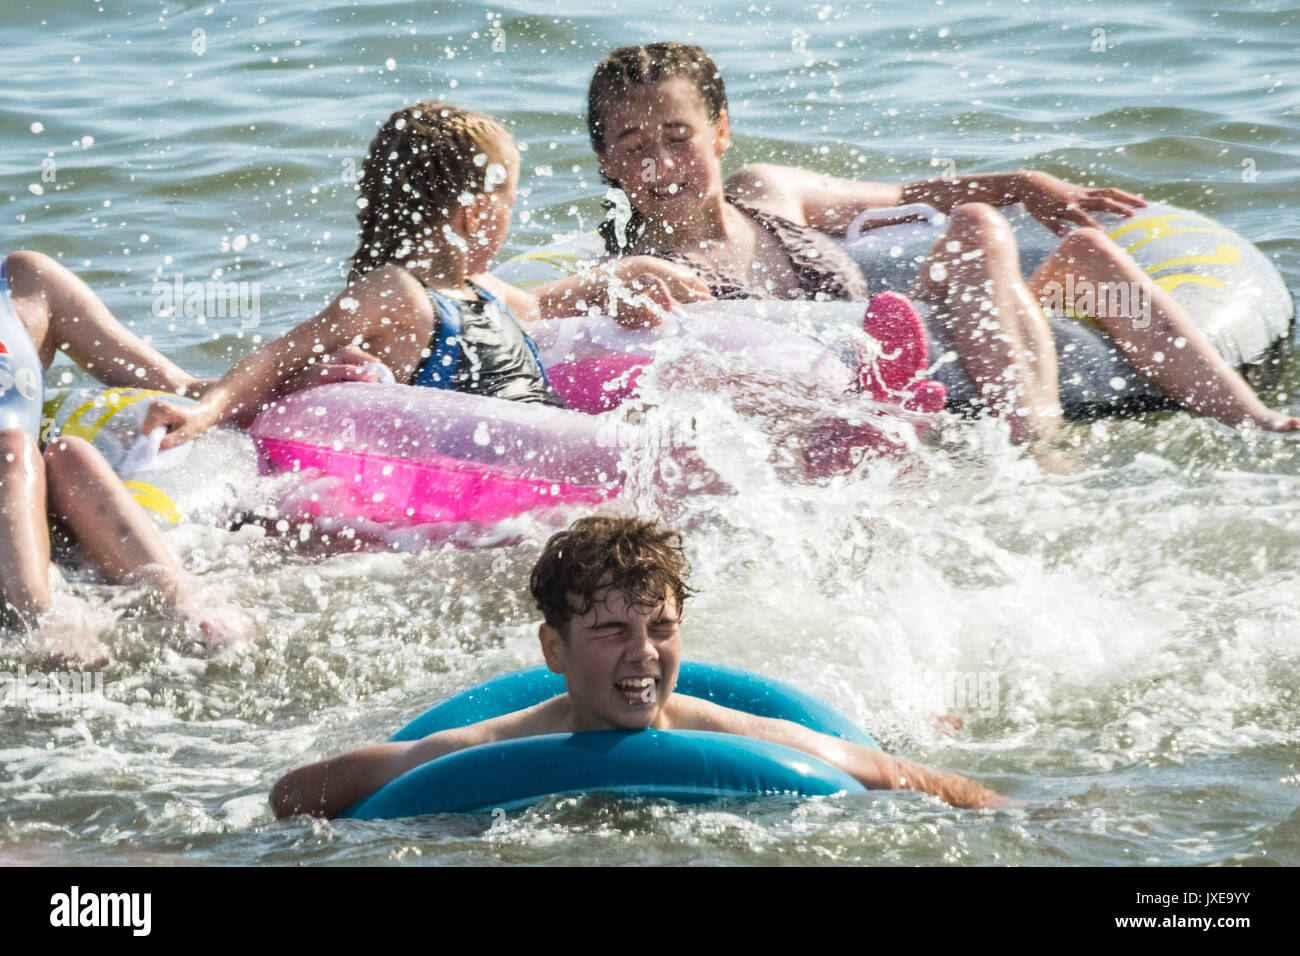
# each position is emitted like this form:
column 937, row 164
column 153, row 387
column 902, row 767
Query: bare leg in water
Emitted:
column 1002, row 338
column 1155, row 333
column 120, row 540
column 25, row 561
column 73, row 484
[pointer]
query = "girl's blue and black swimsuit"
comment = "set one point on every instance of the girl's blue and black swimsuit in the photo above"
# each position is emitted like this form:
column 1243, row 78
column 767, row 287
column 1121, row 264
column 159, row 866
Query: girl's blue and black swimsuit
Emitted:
column 478, row 347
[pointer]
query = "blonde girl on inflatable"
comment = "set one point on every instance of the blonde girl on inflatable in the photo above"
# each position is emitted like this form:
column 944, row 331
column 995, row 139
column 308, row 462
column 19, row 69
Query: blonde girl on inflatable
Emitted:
column 437, row 193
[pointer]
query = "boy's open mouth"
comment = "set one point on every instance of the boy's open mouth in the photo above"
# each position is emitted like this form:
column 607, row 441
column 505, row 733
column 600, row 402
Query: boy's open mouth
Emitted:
column 638, row 690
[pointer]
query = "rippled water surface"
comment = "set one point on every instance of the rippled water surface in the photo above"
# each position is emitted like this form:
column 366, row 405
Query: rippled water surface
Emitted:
column 1121, row 638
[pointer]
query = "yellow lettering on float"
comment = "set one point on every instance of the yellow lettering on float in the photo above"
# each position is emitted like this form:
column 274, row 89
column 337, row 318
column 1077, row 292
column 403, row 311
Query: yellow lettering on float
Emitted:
column 1159, row 227
column 112, row 402
column 1225, row 255
column 154, row 499
column 1169, row 283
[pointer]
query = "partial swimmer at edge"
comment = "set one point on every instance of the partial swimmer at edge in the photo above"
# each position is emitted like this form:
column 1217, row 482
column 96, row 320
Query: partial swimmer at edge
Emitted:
column 68, row 484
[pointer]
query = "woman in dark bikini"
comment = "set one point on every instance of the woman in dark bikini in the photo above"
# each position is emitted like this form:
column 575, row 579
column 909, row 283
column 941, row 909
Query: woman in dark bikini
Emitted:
column 658, row 120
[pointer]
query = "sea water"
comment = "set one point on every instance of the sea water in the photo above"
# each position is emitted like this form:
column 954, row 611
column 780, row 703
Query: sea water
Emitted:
column 1120, row 639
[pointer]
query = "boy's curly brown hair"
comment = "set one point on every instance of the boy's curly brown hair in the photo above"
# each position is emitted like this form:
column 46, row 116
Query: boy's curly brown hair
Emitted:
column 635, row 556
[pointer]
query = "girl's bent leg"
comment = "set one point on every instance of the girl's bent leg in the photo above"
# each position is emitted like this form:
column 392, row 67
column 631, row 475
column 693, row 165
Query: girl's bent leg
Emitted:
column 115, row 534
column 24, row 530
column 1002, row 338
column 120, row 539
column 1153, row 331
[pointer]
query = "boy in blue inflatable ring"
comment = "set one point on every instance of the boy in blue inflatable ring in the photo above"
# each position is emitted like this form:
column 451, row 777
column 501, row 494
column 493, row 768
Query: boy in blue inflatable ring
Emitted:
column 611, row 590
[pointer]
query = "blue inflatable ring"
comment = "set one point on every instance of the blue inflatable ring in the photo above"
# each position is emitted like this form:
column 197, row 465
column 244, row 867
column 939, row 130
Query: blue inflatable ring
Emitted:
column 685, row 766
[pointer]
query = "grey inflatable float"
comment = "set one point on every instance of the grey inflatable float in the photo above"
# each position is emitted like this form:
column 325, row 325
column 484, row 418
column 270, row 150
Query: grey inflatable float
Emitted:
column 1228, row 287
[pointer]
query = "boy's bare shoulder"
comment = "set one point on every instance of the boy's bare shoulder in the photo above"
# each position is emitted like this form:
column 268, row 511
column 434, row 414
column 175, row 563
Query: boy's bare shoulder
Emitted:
column 696, row 713
column 548, row 717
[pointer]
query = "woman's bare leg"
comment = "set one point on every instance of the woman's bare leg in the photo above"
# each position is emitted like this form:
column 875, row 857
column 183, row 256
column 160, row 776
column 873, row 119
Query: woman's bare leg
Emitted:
column 120, row 540
column 1002, row 338
column 60, row 312
column 1154, row 332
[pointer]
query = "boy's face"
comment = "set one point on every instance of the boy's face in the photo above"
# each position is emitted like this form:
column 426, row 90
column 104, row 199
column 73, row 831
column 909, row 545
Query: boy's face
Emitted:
column 619, row 661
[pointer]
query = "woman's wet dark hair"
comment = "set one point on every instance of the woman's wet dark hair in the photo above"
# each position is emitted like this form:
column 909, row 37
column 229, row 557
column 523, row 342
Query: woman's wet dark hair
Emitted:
column 635, row 556
column 647, row 65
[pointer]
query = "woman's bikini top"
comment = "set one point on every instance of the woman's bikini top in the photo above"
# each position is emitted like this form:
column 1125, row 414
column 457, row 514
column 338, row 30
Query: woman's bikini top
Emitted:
column 824, row 270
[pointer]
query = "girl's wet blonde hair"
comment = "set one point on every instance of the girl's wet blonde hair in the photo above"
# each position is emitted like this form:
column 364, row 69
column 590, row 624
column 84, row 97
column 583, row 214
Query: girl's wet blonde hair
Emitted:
column 428, row 159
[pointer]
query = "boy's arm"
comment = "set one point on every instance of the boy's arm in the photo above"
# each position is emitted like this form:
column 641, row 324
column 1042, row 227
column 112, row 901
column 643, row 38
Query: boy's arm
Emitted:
column 894, row 773
column 874, row 769
column 329, row 787
column 877, row 770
